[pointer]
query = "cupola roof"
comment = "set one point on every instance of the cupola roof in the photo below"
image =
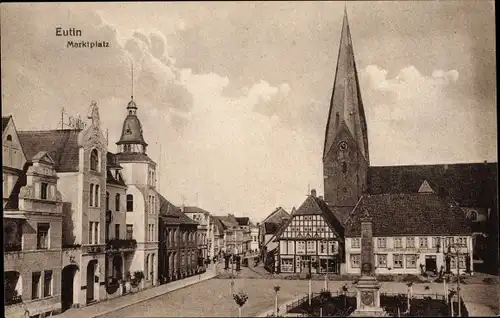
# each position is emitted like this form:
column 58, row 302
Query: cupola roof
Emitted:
column 132, row 128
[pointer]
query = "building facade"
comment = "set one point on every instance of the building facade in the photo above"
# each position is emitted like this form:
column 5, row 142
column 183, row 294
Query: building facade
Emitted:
column 278, row 217
column 233, row 234
column 254, row 237
column 178, row 252
column 244, row 224
column 120, row 242
column 410, row 241
column 141, row 200
column 311, row 241
column 217, row 237
column 32, row 224
column 202, row 217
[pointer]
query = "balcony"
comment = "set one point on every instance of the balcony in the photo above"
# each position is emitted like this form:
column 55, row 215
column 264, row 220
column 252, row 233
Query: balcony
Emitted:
column 121, row 245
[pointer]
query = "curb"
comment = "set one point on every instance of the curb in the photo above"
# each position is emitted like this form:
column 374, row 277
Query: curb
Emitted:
column 155, row 296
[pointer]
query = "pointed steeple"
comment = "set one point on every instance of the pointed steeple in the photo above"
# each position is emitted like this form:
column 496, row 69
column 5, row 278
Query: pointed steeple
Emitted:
column 346, row 106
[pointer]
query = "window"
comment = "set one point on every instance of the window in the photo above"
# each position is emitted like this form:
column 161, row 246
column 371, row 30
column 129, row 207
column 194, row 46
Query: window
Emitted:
column 130, row 232
column 130, row 203
column 473, row 215
column 43, row 190
column 9, row 138
column 355, row 243
column 410, row 242
column 117, row 202
column 461, row 261
column 398, row 242
column 448, row 242
column 35, row 285
column 381, row 242
column 117, row 231
column 96, row 232
column 332, row 247
column 97, row 195
column 462, row 241
column 91, row 231
column 311, row 246
column 301, row 247
column 436, row 241
column 398, row 260
column 322, row 247
column 382, row 260
column 411, row 261
column 107, row 201
column 42, row 236
column 422, row 242
column 94, row 160
column 453, row 262
column 287, row 265
column 355, row 260
column 47, row 284
column 91, row 195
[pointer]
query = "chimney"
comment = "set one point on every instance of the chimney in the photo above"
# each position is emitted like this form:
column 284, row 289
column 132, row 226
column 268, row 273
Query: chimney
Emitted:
column 313, row 193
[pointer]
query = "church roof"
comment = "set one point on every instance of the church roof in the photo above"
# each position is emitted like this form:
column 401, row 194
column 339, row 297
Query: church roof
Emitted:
column 346, row 105
column 409, row 214
column 61, row 145
column 470, row 184
column 131, row 131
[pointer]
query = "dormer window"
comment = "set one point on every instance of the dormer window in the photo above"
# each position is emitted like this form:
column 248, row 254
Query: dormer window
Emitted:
column 94, row 160
column 9, row 138
column 473, row 215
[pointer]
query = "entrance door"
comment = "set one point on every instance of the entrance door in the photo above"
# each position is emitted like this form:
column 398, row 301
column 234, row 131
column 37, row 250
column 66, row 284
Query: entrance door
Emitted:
column 90, row 281
column 67, row 281
column 430, row 263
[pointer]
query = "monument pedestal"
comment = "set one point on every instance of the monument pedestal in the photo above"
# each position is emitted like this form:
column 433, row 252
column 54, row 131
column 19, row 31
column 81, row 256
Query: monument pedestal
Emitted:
column 368, row 298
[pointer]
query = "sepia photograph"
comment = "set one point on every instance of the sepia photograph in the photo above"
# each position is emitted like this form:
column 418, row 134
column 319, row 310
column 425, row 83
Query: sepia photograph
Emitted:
column 249, row 159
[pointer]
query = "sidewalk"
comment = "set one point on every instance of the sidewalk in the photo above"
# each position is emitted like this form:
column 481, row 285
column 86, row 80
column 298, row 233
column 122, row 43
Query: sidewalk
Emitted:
column 107, row 306
column 479, row 310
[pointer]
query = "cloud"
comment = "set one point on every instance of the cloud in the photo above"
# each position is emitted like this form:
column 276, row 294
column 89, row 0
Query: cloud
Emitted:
column 419, row 119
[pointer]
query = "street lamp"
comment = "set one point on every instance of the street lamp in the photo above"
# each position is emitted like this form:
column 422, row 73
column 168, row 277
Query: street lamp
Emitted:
column 456, row 249
column 326, row 273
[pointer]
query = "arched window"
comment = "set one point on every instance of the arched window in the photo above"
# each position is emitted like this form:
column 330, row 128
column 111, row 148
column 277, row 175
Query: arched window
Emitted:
column 117, row 202
column 130, row 203
column 97, row 195
column 9, row 138
column 107, row 200
column 91, row 195
column 94, row 160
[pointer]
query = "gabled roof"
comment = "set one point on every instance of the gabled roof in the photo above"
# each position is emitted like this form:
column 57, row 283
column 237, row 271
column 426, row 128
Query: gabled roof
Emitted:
column 218, row 223
column 271, row 228
column 61, row 145
column 5, row 122
column 229, row 221
column 470, row 184
column 184, row 219
column 167, row 208
column 409, row 214
column 277, row 211
column 243, row 221
column 315, row 206
column 194, row 209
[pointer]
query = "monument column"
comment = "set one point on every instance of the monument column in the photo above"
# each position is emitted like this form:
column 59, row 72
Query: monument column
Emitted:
column 368, row 288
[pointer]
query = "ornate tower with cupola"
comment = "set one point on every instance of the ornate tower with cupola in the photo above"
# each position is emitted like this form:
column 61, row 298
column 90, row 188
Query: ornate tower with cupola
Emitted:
column 131, row 140
column 345, row 156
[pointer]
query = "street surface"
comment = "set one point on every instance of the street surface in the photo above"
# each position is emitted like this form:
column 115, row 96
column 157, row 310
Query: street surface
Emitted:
column 212, row 298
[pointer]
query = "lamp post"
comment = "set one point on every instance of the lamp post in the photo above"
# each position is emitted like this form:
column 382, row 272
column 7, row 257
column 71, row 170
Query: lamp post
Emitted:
column 326, row 273
column 456, row 248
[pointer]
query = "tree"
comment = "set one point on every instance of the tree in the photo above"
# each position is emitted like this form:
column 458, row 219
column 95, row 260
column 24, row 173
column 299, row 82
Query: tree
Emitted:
column 240, row 299
column 276, row 290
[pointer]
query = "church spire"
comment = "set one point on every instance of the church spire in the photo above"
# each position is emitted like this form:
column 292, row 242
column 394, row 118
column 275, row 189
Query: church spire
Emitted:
column 346, row 106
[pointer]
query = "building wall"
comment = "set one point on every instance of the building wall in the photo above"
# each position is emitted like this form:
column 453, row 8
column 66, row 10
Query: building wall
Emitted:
column 12, row 159
column 254, row 236
column 135, row 172
column 71, row 188
column 353, row 251
column 118, row 217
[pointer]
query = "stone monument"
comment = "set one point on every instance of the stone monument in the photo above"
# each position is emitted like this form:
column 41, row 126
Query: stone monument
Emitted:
column 368, row 288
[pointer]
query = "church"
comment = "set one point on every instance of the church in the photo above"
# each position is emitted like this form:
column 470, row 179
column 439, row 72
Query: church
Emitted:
column 419, row 212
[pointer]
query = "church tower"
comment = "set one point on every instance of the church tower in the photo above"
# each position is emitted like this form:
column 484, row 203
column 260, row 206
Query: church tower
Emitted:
column 345, row 156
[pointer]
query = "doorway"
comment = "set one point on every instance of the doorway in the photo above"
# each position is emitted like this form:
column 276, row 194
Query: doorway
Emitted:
column 91, row 277
column 67, row 282
column 430, row 263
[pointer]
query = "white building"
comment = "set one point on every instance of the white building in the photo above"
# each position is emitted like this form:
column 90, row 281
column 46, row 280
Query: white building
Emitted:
column 411, row 234
column 254, row 237
column 141, row 201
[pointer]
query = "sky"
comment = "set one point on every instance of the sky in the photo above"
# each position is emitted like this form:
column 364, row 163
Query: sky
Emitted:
column 234, row 96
